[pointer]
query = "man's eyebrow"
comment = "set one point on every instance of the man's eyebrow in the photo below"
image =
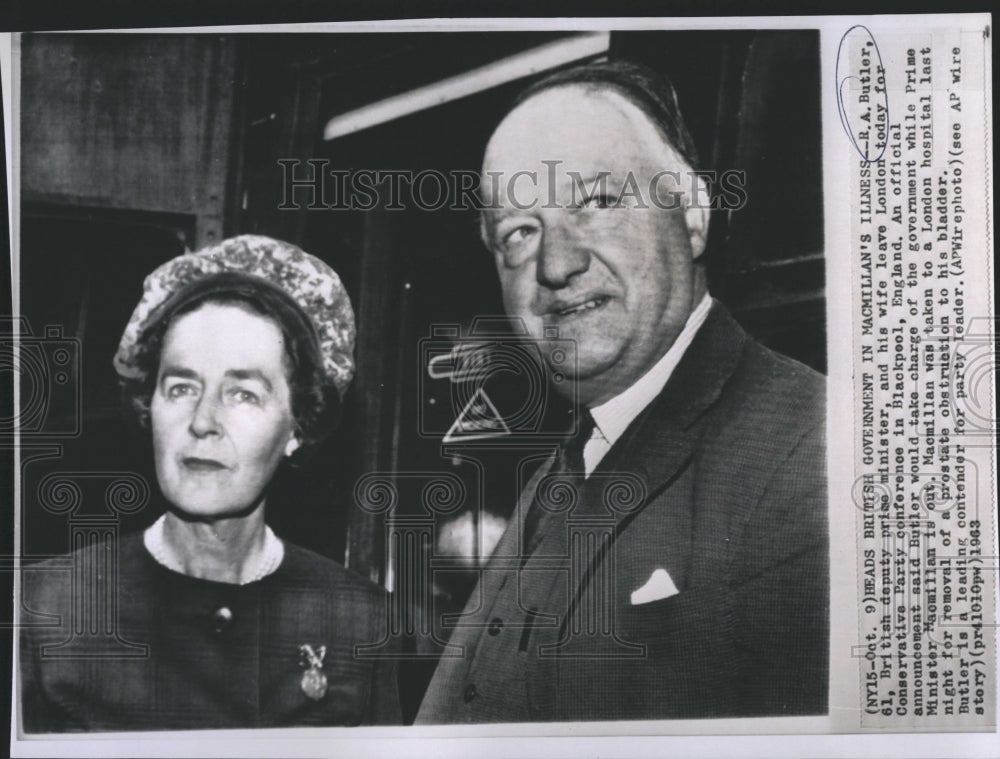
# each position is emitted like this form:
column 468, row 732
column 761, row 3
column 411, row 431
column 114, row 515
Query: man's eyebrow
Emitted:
column 502, row 212
column 598, row 178
column 490, row 218
column 250, row 374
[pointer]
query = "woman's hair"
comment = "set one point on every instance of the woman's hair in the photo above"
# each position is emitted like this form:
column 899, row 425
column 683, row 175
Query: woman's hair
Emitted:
column 315, row 401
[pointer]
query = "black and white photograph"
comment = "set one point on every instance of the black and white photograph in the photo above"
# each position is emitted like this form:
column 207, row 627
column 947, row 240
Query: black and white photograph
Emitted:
column 471, row 380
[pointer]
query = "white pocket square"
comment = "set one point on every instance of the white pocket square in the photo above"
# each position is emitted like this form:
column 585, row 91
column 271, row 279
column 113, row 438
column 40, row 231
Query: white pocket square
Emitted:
column 658, row 586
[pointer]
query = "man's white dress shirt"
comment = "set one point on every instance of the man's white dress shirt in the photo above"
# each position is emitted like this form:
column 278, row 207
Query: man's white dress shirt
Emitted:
column 613, row 417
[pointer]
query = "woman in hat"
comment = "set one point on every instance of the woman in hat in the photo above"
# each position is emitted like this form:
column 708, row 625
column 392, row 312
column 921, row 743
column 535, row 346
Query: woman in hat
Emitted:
column 234, row 360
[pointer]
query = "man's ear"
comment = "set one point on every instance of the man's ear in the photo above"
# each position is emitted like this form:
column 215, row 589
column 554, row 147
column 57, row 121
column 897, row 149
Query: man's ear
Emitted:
column 696, row 216
column 292, row 445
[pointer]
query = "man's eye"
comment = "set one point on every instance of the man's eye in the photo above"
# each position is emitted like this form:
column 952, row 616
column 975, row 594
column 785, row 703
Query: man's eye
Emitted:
column 517, row 236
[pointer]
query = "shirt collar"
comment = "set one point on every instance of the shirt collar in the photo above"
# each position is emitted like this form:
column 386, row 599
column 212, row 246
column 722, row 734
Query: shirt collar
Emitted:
column 613, row 417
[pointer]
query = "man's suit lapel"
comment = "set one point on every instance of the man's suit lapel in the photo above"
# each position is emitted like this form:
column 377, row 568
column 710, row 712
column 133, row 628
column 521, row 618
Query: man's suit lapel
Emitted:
column 657, row 447
column 534, row 579
column 539, row 575
column 658, row 441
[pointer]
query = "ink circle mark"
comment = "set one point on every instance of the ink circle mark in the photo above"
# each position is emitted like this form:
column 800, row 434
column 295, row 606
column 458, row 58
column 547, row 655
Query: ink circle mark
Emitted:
column 875, row 98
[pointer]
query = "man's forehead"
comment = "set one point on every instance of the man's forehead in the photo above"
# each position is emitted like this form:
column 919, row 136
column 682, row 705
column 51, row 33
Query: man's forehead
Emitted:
column 583, row 129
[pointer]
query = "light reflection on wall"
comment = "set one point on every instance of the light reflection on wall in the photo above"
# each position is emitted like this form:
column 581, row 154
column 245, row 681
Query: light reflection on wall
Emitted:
column 457, row 537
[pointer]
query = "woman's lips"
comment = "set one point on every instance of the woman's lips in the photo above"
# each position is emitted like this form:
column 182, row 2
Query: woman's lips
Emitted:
column 196, row 464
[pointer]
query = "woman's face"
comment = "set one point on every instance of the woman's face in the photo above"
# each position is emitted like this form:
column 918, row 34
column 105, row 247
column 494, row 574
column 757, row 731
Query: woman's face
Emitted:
column 221, row 411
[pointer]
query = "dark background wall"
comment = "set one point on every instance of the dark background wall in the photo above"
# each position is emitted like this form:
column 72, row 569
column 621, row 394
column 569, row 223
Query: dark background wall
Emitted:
column 136, row 147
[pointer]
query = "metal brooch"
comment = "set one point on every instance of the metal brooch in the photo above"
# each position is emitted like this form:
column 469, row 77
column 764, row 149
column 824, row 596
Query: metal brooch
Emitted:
column 313, row 679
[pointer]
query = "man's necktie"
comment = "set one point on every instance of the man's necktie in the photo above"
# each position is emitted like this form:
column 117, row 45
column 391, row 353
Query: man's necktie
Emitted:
column 568, row 461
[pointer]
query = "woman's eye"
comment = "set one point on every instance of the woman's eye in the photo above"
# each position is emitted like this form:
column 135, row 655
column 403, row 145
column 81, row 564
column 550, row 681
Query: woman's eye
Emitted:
column 245, row 396
column 176, row 392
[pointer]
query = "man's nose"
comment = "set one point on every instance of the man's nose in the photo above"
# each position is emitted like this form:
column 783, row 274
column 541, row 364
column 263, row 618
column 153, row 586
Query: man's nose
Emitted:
column 205, row 420
column 561, row 256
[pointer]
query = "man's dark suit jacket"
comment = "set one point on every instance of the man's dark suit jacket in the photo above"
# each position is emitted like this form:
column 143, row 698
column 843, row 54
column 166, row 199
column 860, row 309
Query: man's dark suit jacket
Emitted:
column 731, row 456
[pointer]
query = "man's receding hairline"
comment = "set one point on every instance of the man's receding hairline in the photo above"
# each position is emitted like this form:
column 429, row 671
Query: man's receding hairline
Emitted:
column 607, row 91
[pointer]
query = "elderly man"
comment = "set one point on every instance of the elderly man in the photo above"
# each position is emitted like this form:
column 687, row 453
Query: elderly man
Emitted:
column 707, row 595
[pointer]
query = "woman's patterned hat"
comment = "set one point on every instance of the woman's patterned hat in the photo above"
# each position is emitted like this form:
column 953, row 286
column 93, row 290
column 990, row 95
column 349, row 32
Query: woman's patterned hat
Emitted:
column 313, row 285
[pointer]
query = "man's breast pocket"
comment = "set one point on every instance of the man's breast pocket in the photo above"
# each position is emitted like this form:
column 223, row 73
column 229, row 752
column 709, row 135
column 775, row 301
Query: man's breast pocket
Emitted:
column 688, row 664
column 695, row 622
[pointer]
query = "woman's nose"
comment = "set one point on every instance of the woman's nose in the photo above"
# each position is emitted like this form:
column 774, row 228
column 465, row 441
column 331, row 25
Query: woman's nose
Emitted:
column 205, row 420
